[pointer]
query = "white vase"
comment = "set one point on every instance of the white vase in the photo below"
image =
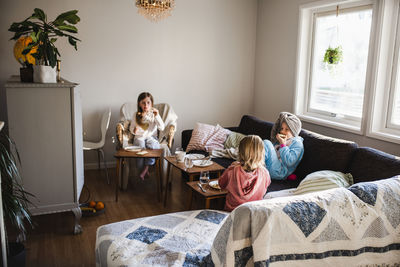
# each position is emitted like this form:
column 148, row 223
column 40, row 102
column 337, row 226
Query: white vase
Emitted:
column 44, row 74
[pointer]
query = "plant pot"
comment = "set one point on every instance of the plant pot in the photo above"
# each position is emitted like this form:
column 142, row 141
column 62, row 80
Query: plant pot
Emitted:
column 17, row 255
column 44, row 74
column 26, row 75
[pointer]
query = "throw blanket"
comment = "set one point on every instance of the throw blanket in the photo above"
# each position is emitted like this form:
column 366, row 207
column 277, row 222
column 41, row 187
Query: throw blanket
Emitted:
column 231, row 153
column 358, row 226
column 174, row 239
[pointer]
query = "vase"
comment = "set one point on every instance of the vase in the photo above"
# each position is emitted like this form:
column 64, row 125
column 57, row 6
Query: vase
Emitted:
column 26, row 75
column 44, row 74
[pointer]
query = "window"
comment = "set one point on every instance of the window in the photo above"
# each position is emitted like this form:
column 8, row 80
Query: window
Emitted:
column 394, row 100
column 339, row 89
column 361, row 94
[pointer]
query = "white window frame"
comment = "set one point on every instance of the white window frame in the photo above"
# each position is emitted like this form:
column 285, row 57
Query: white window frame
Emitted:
column 383, row 65
column 304, row 52
column 387, row 58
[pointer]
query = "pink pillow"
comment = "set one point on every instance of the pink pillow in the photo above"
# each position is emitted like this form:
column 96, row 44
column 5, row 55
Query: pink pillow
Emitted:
column 217, row 139
column 200, row 135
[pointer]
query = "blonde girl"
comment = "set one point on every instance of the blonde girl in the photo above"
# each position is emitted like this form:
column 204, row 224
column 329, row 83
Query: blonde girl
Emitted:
column 247, row 179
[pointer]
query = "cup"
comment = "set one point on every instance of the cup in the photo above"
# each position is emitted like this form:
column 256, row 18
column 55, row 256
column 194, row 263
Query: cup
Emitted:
column 180, row 156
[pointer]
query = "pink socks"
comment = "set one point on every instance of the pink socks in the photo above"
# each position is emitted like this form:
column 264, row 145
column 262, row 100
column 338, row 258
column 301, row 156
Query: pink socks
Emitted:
column 292, row 177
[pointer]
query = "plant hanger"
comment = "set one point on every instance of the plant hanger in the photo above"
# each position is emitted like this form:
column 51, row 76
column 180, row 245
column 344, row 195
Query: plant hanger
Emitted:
column 333, row 56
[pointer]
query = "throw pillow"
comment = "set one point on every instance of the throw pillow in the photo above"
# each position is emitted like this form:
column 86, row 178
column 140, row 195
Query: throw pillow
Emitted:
column 217, row 139
column 233, row 140
column 200, row 135
column 323, row 180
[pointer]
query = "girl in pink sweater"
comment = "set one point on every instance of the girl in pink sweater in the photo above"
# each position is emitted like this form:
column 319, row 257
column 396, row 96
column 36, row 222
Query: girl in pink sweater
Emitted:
column 247, row 179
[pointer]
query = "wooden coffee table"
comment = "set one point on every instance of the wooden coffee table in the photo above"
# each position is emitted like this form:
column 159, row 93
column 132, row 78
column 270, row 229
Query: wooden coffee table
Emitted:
column 210, row 193
column 192, row 172
column 123, row 154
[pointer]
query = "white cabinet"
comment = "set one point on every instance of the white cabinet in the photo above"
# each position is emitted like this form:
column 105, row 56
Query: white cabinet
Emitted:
column 45, row 121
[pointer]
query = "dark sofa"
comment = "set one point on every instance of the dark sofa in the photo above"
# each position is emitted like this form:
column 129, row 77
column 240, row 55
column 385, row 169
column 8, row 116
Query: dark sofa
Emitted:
column 320, row 153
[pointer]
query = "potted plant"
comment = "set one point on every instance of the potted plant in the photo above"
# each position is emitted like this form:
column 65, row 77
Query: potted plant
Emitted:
column 15, row 199
column 44, row 34
column 333, row 55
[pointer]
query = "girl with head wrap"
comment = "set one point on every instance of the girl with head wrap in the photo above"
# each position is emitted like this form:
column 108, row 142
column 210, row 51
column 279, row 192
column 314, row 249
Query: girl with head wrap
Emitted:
column 285, row 150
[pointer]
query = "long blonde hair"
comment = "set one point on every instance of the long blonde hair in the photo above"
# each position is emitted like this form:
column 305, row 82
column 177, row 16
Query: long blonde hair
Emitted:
column 251, row 153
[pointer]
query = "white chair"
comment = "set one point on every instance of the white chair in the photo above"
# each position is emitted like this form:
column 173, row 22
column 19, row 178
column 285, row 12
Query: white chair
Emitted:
column 105, row 122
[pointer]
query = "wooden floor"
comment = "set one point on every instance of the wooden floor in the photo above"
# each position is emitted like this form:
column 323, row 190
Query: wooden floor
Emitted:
column 52, row 242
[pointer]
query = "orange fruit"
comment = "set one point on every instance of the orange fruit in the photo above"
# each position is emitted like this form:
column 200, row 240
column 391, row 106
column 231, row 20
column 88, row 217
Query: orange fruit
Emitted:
column 92, row 204
column 99, row 205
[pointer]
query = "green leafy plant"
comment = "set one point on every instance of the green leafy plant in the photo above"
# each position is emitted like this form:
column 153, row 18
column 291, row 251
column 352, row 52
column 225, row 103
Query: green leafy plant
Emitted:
column 333, row 55
column 44, row 34
column 15, row 198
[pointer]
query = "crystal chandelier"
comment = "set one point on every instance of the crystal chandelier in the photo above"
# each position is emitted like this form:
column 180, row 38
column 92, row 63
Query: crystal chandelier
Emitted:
column 155, row 10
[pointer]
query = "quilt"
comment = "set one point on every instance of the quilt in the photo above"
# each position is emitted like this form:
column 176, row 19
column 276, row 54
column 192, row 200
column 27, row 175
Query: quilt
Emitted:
column 173, row 239
column 357, row 226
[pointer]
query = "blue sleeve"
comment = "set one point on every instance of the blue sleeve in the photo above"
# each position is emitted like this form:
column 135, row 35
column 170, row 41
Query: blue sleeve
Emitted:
column 291, row 155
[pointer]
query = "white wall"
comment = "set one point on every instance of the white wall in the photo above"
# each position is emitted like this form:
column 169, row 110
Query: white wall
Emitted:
column 277, row 25
column 200, row 60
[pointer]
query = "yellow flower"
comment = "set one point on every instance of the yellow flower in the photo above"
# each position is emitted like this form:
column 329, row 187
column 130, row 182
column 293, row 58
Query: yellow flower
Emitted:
column 19, row 46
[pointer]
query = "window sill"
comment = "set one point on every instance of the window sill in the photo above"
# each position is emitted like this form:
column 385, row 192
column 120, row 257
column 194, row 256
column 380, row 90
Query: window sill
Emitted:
column 331, row 124
column 385, row 136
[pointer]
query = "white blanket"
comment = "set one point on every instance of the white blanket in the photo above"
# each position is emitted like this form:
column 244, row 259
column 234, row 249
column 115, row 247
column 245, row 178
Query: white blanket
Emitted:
column 358, row 226
column 231, row 153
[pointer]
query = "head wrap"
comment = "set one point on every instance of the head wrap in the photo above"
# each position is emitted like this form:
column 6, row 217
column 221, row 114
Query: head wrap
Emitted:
column 292, row 121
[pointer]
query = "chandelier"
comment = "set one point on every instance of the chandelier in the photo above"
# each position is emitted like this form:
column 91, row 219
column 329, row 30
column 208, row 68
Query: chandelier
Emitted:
column 155, row 10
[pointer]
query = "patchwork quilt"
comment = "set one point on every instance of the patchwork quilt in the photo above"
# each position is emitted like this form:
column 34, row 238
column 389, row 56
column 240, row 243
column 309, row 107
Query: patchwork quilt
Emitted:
column 357, row 226
column 174, row 239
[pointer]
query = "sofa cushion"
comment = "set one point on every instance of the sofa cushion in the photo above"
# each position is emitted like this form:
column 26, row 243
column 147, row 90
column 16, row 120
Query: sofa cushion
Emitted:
column 324, row 153
column 233, row 140
column 201, row 133
column 323, row 180
column 252, row 125
column 369, row 164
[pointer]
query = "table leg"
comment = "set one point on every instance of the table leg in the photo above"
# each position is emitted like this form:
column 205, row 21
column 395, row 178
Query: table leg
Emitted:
column 189, row 207
column 191, row 177
column 207, row 203
column 158, row 179
column 119, row 171
column 166, row 184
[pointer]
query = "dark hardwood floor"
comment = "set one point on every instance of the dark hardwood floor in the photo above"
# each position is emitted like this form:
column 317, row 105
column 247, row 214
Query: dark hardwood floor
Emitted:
column 52, row 242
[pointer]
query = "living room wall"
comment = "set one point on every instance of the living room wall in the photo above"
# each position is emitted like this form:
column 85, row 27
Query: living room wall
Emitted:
column 200, row 60
column 277, row 26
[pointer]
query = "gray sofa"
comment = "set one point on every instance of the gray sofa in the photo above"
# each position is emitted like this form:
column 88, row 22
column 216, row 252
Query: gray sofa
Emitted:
column 320, row 153
column 357, row 226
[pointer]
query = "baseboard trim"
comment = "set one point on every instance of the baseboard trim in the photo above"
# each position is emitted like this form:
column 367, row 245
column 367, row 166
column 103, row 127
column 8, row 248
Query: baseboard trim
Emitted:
column 94, row 165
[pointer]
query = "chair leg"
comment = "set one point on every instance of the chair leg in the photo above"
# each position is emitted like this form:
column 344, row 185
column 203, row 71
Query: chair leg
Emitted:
column 98, row 159
column 105, row 165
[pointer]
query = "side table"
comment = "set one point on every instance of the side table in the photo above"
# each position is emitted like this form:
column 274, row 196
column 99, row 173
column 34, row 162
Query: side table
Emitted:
column 215, row 167
column 210, row 193
column 122, row 154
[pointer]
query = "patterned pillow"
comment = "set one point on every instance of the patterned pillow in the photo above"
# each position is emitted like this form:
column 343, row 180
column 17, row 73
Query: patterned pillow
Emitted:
column 233, row 140
column 217, row 139
column 323, row 180
column 200, row 135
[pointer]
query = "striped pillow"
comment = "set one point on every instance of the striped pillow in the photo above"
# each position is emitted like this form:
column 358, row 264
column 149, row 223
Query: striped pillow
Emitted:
column 200, row 135
column 323, row 180
column 217, row 139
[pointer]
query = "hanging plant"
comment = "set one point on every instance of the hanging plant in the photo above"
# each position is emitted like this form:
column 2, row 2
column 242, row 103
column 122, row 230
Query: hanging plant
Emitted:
column 333, row 55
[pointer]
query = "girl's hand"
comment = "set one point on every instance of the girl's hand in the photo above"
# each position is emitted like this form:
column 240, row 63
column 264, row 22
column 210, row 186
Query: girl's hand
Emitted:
column 281, row 138
column 155, row 111
column 135, row 130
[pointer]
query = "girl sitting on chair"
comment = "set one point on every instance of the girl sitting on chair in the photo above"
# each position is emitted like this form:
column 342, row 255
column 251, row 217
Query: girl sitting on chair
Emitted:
column 144, row 127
